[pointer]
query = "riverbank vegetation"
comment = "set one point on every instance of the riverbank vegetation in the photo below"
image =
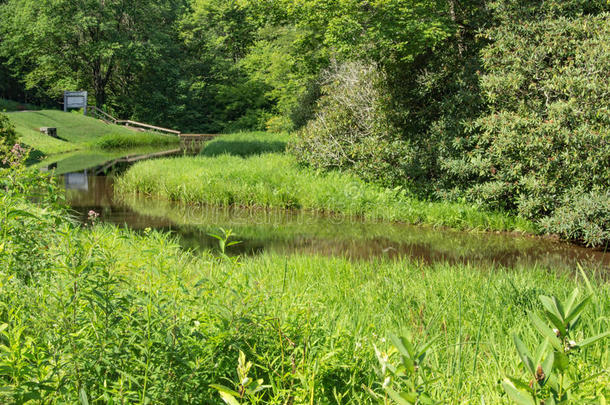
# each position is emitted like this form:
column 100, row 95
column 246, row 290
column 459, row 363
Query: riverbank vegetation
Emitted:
column 282, row 231
column 106, row 315
column 246, row 144
column 277, row 181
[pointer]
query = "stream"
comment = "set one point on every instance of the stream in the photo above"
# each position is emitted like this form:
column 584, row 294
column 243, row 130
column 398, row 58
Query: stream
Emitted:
column 296, row 231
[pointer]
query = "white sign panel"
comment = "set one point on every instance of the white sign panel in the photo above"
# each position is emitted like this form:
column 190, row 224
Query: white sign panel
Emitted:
column 75, row 102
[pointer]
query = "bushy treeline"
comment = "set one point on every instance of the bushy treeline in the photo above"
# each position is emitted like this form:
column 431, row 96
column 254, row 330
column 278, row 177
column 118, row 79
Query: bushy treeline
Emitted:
column 198, row 65
column 510, row 111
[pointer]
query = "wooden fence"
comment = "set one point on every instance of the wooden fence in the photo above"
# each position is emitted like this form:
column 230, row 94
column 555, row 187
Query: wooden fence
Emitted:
column 95, row 112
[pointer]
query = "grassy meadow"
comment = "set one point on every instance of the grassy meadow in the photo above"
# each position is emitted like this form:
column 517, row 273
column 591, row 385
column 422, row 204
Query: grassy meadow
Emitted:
column 250, row 173
column 77, row 132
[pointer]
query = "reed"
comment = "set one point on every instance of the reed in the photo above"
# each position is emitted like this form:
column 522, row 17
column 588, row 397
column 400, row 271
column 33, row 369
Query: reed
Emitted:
column 246, row 144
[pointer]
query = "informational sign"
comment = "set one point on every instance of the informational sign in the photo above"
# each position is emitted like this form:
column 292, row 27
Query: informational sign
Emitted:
column 75, row 99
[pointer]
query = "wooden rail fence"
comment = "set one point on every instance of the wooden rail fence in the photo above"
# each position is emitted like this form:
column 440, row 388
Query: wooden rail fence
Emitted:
column 95, row 112
column 187, row 141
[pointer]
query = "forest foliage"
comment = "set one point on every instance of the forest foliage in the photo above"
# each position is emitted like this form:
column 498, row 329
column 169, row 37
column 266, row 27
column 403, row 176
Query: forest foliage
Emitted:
column 502, row 103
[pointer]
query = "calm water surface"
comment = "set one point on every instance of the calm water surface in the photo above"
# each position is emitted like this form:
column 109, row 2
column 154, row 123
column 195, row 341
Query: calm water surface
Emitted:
column 288, row 232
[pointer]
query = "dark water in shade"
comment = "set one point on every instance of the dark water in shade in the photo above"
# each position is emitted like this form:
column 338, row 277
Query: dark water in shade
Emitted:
column 282, row 231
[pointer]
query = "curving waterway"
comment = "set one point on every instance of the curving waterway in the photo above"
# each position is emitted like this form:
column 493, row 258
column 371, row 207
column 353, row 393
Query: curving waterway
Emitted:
column 286, row 232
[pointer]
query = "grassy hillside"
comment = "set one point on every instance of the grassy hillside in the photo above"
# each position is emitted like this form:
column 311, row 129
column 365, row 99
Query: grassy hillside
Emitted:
column 76, row 130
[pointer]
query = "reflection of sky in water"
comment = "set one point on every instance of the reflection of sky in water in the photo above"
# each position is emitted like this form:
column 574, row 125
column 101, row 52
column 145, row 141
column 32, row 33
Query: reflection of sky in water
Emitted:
column 285, row 231
column 77, row 181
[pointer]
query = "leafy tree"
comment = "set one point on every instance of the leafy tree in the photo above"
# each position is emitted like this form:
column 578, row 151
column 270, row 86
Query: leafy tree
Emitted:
column 543, row 149
column 216, row 36
column 62, row 44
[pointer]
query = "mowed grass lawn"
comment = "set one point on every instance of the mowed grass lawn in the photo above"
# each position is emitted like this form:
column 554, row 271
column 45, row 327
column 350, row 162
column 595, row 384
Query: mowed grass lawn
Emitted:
column 77, row 132
column 276, row 180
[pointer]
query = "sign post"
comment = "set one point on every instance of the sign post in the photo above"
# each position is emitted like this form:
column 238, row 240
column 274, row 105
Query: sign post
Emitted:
column 75, row 99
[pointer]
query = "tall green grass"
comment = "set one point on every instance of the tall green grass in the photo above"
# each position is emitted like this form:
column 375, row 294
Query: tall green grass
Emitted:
column 151, row 323
column 246, row 144
column 97, row 314
column 274, row 180
column 134, row 139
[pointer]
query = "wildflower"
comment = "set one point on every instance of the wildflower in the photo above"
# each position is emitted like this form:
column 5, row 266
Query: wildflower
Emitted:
column 93, row 216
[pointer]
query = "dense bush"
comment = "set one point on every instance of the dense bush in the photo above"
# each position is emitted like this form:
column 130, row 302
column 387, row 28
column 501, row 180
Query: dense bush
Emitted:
column 354, row 128
column 8, row 136
column 548, row 131
column 582, row 216
column 414, row 106
column 520, row 124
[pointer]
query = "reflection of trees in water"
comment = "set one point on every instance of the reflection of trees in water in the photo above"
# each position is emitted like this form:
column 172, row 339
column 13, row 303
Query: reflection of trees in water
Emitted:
column 286, row 231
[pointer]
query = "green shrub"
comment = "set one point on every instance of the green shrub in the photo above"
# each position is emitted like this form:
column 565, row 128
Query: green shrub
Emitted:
column 122, row 141
column 354, row 129
column 583, row 217
column 548, row 131
column 246, row 144
column 8, row 136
